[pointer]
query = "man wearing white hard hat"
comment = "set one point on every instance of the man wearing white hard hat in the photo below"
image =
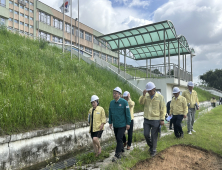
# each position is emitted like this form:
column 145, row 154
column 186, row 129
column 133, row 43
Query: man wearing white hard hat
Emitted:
column 97, row 120
column 120, row 119
column 154, row 115
column 179, row 109
column 126, row 96
column 193, row 104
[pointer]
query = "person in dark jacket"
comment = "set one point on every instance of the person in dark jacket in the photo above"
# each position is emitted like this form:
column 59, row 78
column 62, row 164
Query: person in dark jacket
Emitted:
column 120, row 119
column 168, row 112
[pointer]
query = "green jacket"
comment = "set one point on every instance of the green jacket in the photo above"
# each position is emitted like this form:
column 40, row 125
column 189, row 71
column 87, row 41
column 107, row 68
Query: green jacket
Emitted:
column 119, row 113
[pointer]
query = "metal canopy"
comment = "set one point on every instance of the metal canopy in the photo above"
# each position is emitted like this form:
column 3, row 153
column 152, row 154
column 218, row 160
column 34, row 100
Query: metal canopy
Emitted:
column 148, row 41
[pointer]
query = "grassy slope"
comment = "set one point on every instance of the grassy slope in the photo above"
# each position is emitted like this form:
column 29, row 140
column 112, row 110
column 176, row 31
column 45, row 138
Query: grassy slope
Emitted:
column 40, row 87
column 208, row 135
column 204, row 95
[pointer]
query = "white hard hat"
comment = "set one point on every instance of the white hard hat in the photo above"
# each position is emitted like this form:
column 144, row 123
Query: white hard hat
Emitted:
column 94, row 97
column 125, row 94
column 150, row 86
column 158, row 92
column 118, row 89
column 190, row 83
column 176, row 90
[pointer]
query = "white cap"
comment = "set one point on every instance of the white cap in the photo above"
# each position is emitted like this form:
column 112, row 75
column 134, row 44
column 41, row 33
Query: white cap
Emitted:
column 118, row 89
column 94, row 97
column 176, row 90
column 150, row 86
column 190, row 83
column 125, row 94
column 158, row 92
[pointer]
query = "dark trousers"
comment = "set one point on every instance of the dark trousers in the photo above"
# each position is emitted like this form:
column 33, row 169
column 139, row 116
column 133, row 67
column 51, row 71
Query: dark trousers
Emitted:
column 177, row 119
column 119, row 132
column 151, row 139
column 171, row 122
column 130, row 135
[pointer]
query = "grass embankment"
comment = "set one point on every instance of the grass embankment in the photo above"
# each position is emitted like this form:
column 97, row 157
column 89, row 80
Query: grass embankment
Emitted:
column 204, row 95
column 41, row 87
column 208, row 135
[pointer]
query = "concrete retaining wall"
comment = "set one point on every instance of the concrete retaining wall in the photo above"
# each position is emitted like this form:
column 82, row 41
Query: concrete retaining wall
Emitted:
column 26, row 149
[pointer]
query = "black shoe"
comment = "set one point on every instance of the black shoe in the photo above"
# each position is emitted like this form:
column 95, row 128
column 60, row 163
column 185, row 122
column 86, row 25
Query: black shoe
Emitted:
column 181, row 136
column 153, row 154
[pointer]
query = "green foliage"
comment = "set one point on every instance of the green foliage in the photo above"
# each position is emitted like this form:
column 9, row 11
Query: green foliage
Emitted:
column 41, row 87
column 213, row 78
column 43, row 43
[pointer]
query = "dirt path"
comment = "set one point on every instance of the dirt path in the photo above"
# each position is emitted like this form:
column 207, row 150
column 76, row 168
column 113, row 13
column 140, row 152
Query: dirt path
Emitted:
column 182, row 158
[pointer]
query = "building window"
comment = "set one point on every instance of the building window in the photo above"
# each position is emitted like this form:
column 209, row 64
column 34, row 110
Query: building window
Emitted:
column 81, row 33
column 27, row 25
column 26, row 9
column 44, row 36
column 56, row 39
column 95, row 41
column 67, row 28
column 72, row 30
column 15, row 4
column 109, row 59
column 103, row 43
column 31, row 4
column 16, row 21
column 88, row 37
column 109, row 47
column 44, row 18
column 10, row 19
column 26, row 1
column 30, row 26
column 26, row 33
column 21, row 14
column 2, row 21
column 114, row 60
column 10, row 2
column 67, row 42
column 103, row 56
column 88, row 50
column 30, row 18
column 10, row 28
column 26, row 16
column 31, row 35
column 21, row 23
column 10, row 10
column 16, row 12
column 21, row 6
column 57, row 24
column 31, row 11
column 95, row 53
column 21, row 31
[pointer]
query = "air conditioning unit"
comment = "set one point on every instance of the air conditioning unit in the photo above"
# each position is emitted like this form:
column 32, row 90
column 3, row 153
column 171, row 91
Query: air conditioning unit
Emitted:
column 22, row 2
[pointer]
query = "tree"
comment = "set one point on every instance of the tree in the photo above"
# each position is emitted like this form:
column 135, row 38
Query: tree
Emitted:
column 213, row 78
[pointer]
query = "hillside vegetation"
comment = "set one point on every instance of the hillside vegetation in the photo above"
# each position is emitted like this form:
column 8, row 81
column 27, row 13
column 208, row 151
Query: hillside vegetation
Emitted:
column 41, row 87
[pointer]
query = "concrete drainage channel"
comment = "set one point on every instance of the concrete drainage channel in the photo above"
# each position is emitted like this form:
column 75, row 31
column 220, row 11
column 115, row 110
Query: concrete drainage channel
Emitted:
column 72, row 161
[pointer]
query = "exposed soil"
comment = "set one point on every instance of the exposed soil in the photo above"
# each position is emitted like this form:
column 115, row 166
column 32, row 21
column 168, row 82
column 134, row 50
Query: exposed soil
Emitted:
column 182, row 158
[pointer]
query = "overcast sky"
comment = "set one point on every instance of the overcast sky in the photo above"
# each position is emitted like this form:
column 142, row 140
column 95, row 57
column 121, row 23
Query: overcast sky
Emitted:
column 200, row 21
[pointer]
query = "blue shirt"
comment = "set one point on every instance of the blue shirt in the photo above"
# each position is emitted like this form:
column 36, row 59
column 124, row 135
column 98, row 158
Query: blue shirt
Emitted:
column 119, row 113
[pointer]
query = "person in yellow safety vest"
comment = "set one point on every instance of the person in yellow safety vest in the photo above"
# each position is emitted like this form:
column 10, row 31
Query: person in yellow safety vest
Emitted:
column 154, row 115
column 193, row 105
column 126, row 96
column 179, row 109
column 213, row 101
column 97, row 120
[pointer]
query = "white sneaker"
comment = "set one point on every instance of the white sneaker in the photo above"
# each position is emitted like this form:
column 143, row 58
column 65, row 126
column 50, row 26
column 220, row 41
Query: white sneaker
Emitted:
column 193, row 131
column 190, row 133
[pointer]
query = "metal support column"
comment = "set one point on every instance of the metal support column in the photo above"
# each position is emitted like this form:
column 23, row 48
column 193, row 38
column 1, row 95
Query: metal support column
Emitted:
column 186, row 67
column 63, row 26
column 191, row 63
column 125, row 63
column 178, row 62
column 118, row 59
column 78, row 33
column 183, row 68
column 164, row 34
column 71, row 31
column 150, row 68
column 169, row 58
column 146, row 68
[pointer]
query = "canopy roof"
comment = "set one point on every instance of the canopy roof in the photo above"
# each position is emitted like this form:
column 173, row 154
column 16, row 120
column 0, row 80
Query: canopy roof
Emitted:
column 148, row 41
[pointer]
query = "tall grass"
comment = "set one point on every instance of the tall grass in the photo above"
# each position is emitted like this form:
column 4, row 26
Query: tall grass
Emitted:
column 41, row 87
column 204, row 95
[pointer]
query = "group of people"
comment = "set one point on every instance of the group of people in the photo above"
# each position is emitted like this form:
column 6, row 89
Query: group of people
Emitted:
column 121, row 116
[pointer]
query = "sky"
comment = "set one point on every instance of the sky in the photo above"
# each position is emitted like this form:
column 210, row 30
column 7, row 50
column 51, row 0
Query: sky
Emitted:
column 200, row 21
